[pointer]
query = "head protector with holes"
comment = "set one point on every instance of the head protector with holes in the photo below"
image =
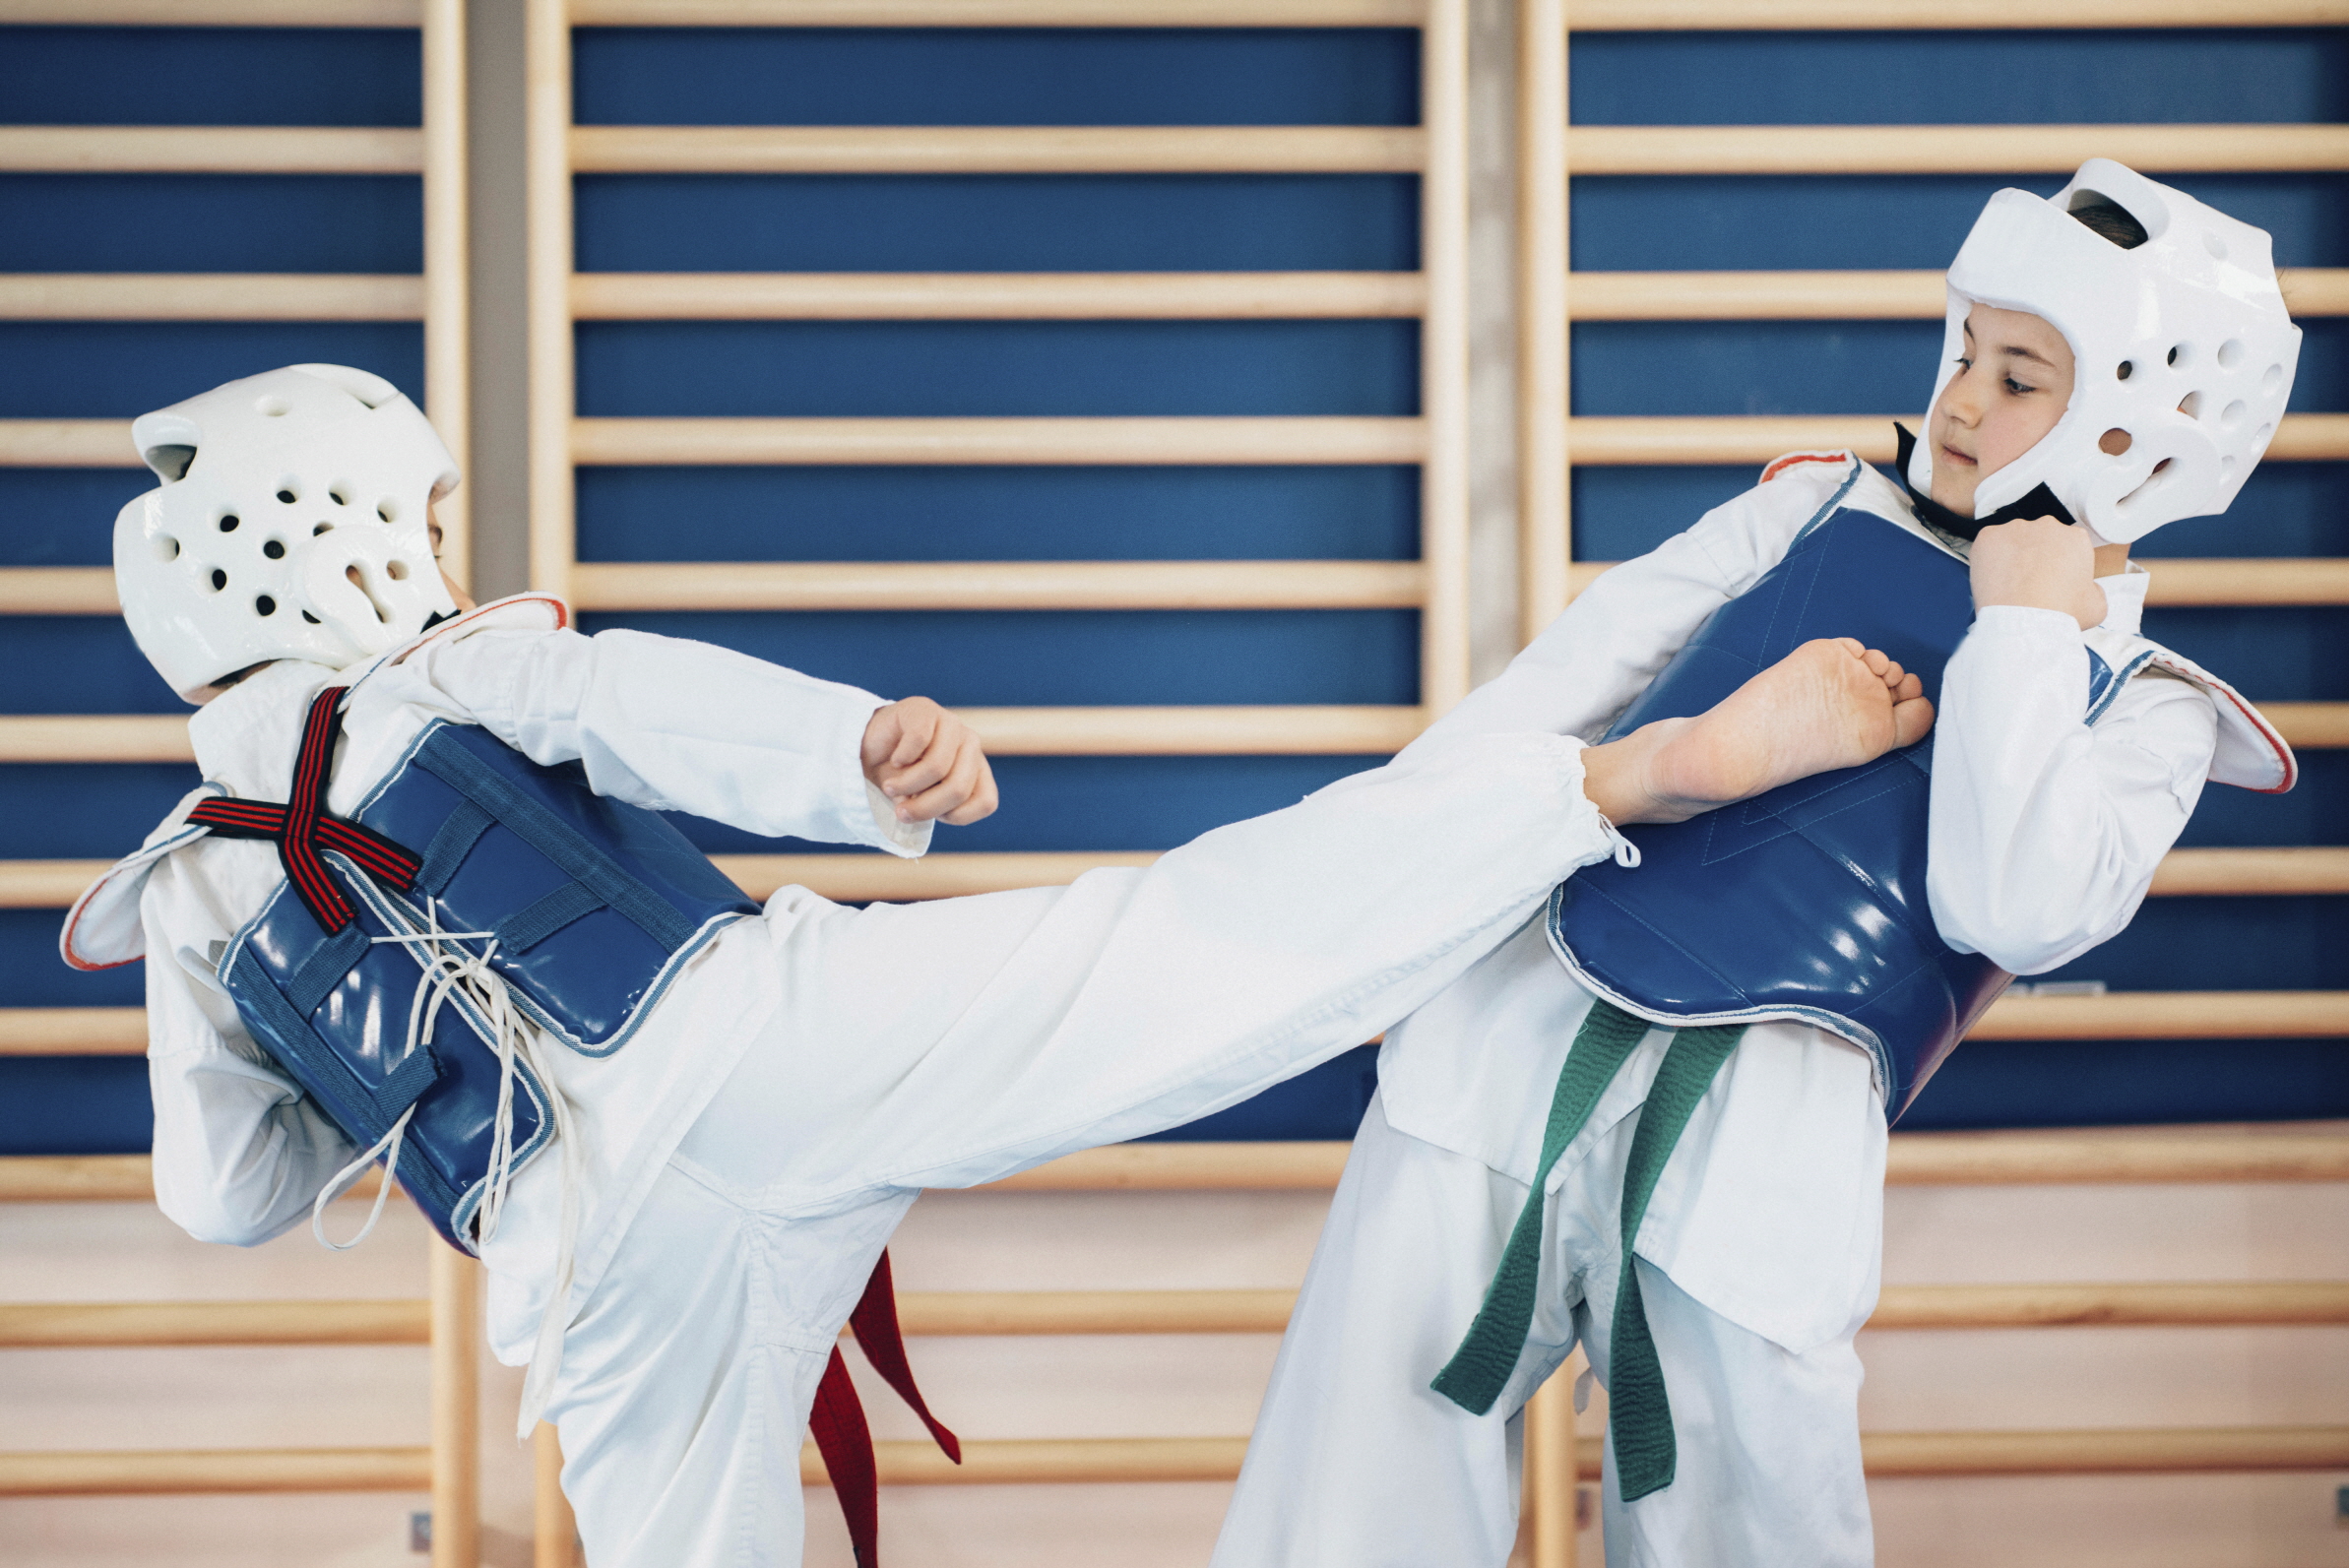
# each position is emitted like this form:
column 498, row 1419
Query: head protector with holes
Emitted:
column 291, row 524
column 2181, row 341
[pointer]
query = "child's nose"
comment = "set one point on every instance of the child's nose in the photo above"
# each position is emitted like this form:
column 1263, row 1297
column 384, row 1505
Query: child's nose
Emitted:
column 1961, row 399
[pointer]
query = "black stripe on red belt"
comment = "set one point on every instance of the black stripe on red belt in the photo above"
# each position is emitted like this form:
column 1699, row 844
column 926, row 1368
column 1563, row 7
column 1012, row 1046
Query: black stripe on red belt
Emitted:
column 303, row 830
column 837, row 1422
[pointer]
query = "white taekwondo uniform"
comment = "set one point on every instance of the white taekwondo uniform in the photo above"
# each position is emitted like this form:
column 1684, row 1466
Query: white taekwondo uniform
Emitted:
column 1760, row 1248
column 748, row 1152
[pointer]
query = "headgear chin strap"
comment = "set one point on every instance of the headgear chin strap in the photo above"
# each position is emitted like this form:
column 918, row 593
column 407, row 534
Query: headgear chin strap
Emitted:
column 2183, row 352
column 2041, row 502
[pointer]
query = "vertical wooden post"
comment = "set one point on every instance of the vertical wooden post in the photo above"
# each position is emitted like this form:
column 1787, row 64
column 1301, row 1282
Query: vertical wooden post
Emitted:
column 1544, row 478
column 1551, row 1478
column 1444, row 355
column 554, row 1530
column 448, row 347
column 547, row 111
column 455, row 1408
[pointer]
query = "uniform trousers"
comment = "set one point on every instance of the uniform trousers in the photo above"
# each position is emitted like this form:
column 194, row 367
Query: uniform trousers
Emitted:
column 1357, row 1463
column 946, row 1044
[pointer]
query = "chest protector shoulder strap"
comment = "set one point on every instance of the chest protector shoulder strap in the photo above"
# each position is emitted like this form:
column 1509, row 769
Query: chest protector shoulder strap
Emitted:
column 1807, row 902
column 583, row 907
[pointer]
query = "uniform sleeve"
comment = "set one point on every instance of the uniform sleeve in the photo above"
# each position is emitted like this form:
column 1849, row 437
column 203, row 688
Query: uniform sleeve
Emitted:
column 680, row 726
column 240, row 1153
column 1619, row 634
column 2045, row 832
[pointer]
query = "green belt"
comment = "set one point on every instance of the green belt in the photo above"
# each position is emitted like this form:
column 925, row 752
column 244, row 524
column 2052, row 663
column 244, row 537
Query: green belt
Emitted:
column 1639, row 1417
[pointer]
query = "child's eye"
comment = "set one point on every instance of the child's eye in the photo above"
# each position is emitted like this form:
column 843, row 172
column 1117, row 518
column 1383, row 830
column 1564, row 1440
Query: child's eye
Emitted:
column 2018, row 388
column 1964, row 362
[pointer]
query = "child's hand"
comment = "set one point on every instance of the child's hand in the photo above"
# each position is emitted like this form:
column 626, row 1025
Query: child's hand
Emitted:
column 928, row 762
column 2041, row 564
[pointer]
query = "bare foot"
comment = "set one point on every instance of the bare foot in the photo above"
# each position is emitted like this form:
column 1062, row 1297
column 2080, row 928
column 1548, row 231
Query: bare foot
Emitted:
column 1830, row 704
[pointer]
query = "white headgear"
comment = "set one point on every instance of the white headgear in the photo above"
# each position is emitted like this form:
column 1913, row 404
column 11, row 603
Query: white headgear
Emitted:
column 2182, row 342
column 291, row 524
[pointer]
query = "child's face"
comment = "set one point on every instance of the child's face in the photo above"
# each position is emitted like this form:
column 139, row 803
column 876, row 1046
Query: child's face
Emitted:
column 2009, row 390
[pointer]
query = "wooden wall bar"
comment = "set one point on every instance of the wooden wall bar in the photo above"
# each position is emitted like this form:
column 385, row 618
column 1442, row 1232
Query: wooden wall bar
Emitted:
column 210, row 150
column 997, row 149
column 1756, row 439
column 211, row 13
column 992, row 297
column 1953, row 148
column 1843, row 295
column 997, row 12
column 211, row 297
column 995, row 585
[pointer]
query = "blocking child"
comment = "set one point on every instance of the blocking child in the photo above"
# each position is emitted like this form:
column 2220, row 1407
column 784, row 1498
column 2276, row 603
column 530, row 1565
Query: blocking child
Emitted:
column 423, row 910
column 1653, row 1122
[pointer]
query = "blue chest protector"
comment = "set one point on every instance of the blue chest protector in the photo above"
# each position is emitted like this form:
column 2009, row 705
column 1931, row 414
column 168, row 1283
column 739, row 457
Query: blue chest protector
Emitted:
column 583, row 907
column 1807, row 902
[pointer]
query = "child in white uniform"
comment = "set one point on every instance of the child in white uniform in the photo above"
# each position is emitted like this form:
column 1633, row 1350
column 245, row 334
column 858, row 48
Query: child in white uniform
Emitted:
column 2130, row 378
column 678, row 1263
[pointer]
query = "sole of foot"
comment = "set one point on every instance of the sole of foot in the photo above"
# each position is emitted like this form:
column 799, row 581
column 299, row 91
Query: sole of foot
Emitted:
column 1830, row 704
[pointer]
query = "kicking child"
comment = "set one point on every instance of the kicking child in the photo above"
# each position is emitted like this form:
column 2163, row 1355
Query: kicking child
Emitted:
column 1691, row 1060
column 423, row 910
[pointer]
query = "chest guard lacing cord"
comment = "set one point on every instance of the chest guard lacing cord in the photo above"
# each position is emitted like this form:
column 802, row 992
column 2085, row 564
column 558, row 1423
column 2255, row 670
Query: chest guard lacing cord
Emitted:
column 303, row 832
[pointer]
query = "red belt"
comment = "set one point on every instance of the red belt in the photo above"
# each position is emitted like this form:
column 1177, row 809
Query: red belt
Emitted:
column 837, row 1422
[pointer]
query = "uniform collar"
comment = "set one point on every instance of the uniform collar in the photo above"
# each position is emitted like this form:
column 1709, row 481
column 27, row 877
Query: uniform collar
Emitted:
column 257, row 717
column 2125, row 600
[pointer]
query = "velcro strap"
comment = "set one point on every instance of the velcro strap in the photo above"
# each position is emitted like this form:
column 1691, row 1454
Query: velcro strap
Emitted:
column 527, row 927
column 325, row 968
column 450, row 845
column 364, row 1112
column 446, row 758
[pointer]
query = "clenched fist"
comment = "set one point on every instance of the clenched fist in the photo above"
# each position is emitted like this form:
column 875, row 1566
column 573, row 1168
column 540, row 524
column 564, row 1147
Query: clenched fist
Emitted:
column 929, row 762
column 2041, row 564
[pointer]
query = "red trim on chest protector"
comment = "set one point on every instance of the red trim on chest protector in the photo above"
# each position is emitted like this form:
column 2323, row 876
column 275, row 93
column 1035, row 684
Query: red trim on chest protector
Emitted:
column 1781, row 465
column 837, row 1420
column 303, row 830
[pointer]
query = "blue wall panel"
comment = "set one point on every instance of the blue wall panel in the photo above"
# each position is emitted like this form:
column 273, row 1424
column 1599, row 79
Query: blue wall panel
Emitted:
column 1169, row 223
column 1015, row 659
column 895, row 368
column 2000, row 1082
column 1959, row 78
column 37, row 977
column 1083, row 804
column 87, row 664
column 75, row 1105
column 1708, row 367
column 106, row 369
column 952, row 76
column 996, row 222
column 212, row 76
column 996, row 514
column 85, row 810
column 1735, row 223
column 212, row 223
column 65, row 517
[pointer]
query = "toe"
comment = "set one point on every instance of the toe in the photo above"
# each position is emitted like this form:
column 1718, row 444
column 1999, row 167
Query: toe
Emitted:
column 1911, row 719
